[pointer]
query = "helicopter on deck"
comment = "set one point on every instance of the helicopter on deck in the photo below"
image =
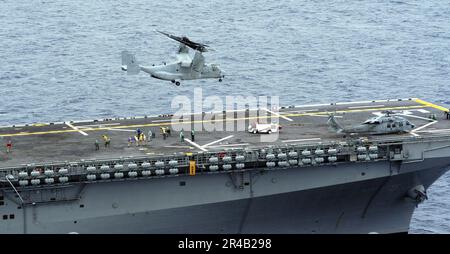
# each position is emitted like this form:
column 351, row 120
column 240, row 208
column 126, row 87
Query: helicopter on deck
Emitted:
column 387, row 123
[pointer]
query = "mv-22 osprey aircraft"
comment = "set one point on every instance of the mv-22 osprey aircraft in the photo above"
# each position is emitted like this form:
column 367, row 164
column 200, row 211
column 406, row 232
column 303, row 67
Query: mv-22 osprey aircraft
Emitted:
column 184, row 68
column 385, row 124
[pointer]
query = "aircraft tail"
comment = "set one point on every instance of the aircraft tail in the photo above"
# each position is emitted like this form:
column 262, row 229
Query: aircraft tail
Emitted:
column 334, row 125
column 129, row 63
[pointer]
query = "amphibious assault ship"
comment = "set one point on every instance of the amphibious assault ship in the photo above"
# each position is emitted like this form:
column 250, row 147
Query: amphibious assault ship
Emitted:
column 310, row 180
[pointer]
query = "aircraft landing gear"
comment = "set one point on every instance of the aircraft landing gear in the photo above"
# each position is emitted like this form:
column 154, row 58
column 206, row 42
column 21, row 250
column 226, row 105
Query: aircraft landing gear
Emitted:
column 177, row 83
column 173, row 81
column 220, row 80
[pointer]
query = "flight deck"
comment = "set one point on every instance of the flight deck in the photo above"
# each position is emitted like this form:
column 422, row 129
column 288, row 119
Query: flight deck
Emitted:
column 74, row 141
column 319, row 173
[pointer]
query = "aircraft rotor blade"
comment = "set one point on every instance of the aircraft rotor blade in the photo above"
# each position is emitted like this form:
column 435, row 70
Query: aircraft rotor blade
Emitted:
column 186, row 41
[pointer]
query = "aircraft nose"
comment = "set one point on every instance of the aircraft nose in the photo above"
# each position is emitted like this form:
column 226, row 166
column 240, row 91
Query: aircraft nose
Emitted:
column 222, row 72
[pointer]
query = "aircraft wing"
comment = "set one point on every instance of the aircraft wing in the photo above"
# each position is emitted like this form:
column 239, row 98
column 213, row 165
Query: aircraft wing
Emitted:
column 198, row 62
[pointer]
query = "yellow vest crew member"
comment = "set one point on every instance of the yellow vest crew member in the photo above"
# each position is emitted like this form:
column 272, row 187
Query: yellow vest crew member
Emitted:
column 164, row 132
column 141, row 138
column 107, row 140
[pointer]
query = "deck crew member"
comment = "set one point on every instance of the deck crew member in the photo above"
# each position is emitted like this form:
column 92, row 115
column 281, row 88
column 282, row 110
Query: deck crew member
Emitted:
column 141, row 139
column 107, row 140
column 150, row 133
column 192, row 135
column 447, row 114
column 138, row 132
column 8, row 146
column 181, row 136
column 97, row 145
column 164, row 133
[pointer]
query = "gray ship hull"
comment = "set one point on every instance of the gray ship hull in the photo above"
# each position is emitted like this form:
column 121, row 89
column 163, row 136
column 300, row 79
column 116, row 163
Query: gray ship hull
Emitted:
column 278, row 201
column 309, row 180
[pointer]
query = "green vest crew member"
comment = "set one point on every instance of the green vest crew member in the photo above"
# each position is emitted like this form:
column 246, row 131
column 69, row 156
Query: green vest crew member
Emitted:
column 150, row 134
column 192, row 135
column 181, row 136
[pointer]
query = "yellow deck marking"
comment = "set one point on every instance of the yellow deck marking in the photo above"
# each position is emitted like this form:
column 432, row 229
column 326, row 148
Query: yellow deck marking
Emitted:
column 355, row 110
column 39, row 124
column 429, row 104
column 207, row 121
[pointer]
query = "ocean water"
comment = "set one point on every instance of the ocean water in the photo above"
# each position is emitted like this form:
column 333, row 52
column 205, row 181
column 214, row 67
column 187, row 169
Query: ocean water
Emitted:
column 60, row 60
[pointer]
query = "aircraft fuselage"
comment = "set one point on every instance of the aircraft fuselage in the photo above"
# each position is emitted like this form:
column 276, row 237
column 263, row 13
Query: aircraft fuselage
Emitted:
column 174, row 71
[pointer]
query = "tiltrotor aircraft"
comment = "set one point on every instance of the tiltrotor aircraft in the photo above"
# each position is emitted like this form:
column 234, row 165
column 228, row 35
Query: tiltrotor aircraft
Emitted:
column 384, row 124
column 184, row 68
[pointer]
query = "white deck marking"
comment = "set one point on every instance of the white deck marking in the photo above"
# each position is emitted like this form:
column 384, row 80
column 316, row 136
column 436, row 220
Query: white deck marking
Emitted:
column 423, row 111
column 273, row 113
column 241, row 144
column 75, row 128
column 195, row 144
column 437, row 130
column 369, row 106
column 424, row 126
column 414, row 134
column 217, row 141
column 206, row 145
column 97, row 125
column 299, row 140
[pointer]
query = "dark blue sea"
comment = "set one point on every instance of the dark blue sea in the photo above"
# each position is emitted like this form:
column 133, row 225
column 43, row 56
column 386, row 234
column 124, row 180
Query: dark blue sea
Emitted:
column 60, row 60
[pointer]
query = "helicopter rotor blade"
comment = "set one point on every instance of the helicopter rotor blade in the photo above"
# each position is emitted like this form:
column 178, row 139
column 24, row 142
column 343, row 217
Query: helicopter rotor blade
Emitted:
column 186, row 41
